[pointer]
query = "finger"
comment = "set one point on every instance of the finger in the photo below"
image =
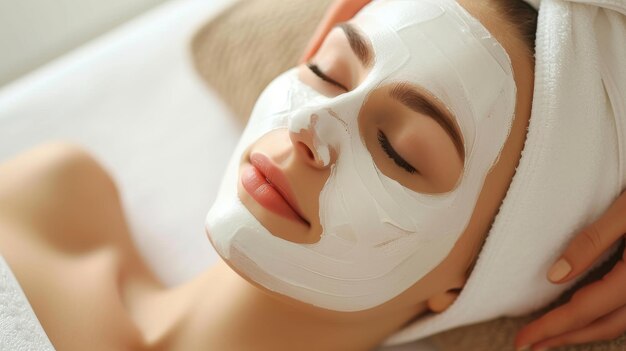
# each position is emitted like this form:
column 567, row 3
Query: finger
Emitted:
column 609, row 327
column 339, row 11
column 586, row 305
column 591, row 243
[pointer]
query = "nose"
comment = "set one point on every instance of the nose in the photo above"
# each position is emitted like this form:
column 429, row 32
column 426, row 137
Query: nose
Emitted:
column 308, row 147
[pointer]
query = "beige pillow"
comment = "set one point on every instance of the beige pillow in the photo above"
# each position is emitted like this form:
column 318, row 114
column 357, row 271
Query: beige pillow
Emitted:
column 241, row 51
column 252, row 42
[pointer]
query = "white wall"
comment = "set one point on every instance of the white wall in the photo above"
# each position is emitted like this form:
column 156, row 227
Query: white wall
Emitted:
column 33, row 32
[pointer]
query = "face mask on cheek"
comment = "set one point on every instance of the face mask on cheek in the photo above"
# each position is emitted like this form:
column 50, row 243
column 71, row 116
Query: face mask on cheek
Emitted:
column 378, row 238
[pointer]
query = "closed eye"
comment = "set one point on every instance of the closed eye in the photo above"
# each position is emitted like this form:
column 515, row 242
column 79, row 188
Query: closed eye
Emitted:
column 391, row 152
column 316, row 70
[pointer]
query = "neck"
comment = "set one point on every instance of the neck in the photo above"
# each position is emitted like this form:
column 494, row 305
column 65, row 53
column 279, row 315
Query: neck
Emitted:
column 219, row 310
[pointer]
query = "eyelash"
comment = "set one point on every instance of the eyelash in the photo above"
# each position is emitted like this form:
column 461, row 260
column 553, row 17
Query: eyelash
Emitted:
column 389, row 150
column 318, row 72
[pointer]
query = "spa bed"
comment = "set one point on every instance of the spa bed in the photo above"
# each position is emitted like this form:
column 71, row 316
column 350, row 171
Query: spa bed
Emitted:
column 133, row 99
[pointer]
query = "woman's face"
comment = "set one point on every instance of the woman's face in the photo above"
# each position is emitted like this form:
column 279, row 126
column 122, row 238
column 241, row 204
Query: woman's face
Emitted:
column 384, row 137
column 411, row 136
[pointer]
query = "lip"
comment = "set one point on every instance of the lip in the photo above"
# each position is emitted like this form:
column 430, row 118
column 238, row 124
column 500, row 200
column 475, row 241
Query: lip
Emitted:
column 268, row 186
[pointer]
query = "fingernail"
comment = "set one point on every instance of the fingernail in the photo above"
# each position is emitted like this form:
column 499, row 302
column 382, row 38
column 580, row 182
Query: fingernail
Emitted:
column 524, row 348
column 559, row 270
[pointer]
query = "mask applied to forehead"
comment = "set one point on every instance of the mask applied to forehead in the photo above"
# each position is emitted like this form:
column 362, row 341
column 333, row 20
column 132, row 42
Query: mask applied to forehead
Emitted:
column 378, row 238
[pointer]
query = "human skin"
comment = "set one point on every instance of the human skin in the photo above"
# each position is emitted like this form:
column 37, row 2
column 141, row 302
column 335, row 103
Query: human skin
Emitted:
column 60, row 210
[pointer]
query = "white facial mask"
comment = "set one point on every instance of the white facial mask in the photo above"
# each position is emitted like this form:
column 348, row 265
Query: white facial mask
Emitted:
column 379, row 238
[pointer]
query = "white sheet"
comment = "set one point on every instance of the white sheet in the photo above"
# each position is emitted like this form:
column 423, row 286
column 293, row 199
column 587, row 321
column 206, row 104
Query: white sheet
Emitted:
column 133, row 99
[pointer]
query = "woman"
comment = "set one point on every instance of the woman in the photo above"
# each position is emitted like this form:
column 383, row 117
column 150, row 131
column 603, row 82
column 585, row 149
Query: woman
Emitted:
column 61, row 211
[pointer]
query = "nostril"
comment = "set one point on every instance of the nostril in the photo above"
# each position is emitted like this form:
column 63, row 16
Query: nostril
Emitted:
column 307, row 150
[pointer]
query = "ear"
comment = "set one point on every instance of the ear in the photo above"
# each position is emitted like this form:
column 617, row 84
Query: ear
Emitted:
column 440, row 302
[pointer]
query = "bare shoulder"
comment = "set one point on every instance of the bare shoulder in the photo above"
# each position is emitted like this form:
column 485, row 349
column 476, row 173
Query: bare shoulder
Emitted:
column 49, row 165
column 63, row 231
column 60, row 190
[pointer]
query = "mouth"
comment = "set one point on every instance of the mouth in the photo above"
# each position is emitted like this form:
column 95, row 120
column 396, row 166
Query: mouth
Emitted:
column 269, row 187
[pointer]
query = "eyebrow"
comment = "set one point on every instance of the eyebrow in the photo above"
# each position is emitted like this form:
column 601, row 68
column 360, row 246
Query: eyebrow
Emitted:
column 358, row 44
column 416, row 101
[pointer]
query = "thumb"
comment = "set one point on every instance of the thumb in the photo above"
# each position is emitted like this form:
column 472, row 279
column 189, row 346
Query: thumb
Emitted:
column 590, row 243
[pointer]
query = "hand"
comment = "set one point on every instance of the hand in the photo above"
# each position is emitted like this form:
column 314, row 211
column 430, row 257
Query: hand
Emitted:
column 339, row 11
column 596, row 311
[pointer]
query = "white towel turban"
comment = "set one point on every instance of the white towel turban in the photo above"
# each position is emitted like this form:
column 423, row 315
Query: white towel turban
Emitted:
column 570, row 171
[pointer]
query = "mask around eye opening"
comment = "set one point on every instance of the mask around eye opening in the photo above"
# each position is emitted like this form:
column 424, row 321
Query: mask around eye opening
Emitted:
column 407, row 140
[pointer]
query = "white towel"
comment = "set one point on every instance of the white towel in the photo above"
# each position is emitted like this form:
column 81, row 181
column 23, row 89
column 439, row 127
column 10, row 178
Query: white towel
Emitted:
column 19, row 327
column 570, row 172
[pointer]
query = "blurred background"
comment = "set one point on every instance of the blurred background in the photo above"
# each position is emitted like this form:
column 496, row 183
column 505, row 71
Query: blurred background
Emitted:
column 34, row 32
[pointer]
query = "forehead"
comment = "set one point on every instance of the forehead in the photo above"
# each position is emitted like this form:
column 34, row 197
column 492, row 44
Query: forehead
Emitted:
column 437, row 45
column 398, row 14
